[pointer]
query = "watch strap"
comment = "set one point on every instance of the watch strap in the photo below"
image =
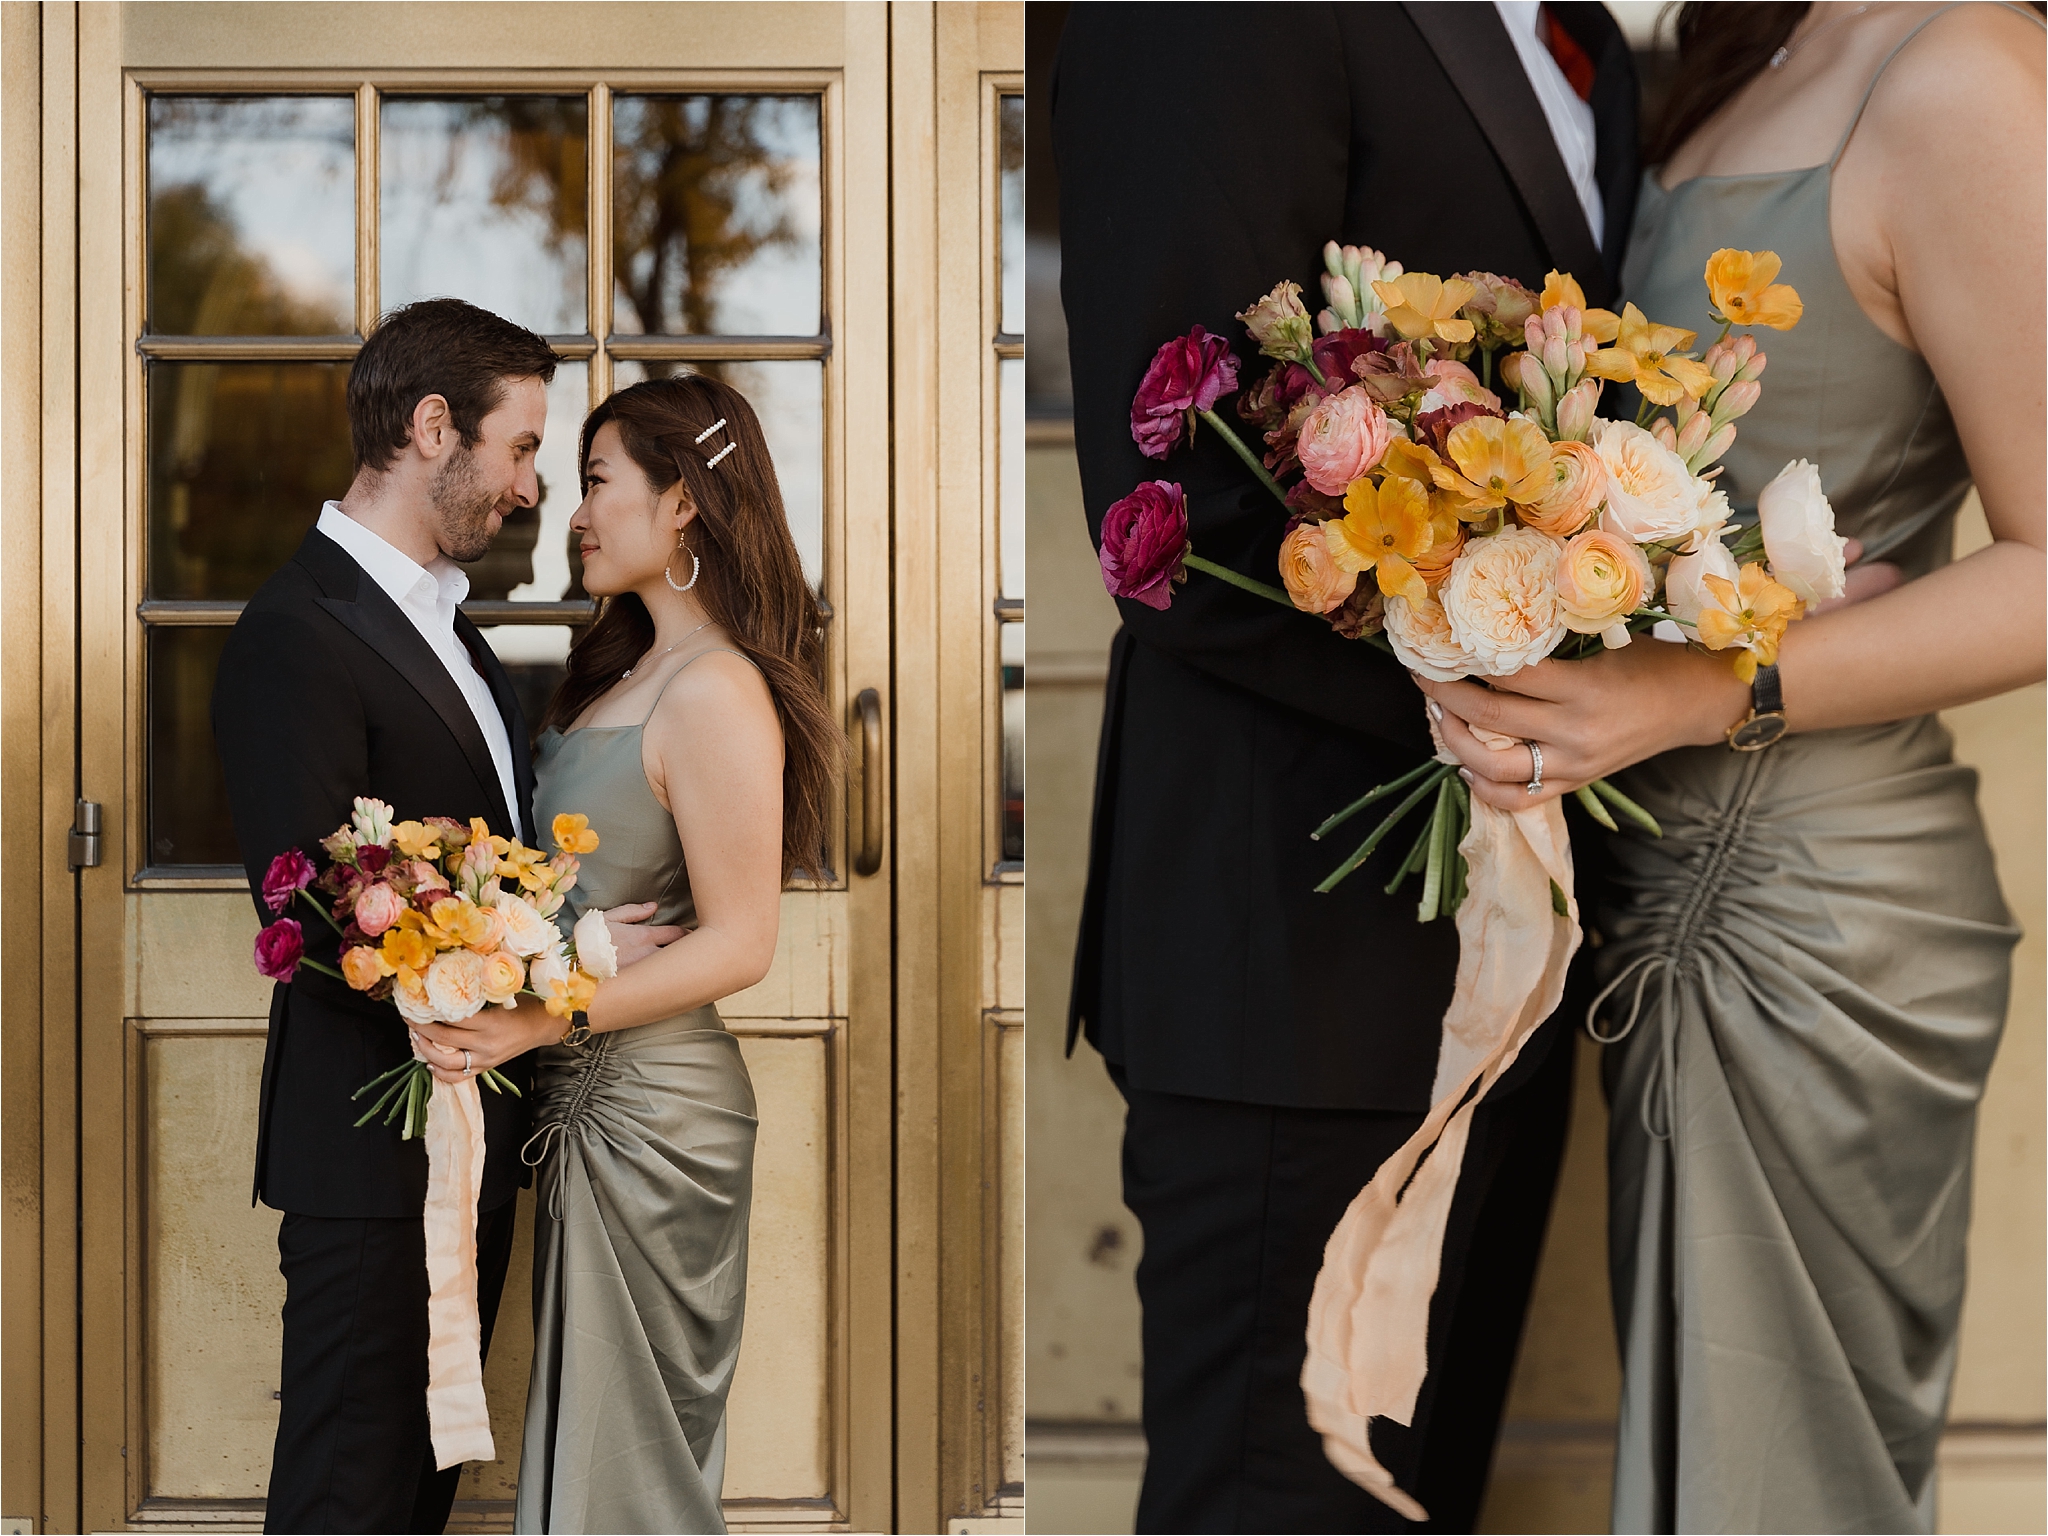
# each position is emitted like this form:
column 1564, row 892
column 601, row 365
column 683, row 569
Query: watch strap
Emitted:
column 1765, row 695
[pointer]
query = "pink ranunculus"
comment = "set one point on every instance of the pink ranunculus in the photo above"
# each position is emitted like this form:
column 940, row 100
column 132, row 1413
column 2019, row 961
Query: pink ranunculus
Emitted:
column 289, row 873
column 1144, row 542
column 1190, row 373
column 1343, row 437
column 377, row 908
column 278, row 949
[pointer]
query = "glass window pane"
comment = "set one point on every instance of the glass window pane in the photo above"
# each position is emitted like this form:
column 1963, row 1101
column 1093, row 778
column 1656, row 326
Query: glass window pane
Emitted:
column 533, row 557
column 1012, row 644
column 1010, row 163
column 188, row 799
column 716, row 214
column 1010, row 476
column 252, row 223
column 241, row 455
column 789, row 397
column 483, row 198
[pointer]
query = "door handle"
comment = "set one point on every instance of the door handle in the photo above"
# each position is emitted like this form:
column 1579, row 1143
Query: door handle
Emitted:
column 868, row 708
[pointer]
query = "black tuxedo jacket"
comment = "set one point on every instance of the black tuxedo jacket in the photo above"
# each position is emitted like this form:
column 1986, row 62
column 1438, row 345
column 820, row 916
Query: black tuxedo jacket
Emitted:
column 1205, row 153
column 326, row 691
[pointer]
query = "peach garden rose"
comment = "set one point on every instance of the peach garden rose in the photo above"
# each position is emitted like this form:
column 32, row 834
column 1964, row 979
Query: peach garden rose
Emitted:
column 1501, row 600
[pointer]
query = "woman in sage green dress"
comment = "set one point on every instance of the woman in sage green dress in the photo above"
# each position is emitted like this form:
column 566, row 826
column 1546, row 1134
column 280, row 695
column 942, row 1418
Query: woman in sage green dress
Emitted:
column 1806, row 977
column 692, row 732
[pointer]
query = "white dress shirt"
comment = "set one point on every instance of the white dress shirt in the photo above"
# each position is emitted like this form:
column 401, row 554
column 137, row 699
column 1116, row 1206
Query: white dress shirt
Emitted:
column 1570, row 119
column 428, row 596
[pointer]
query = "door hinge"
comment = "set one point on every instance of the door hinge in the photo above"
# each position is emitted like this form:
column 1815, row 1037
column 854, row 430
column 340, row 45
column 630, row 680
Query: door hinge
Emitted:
column 85, row 836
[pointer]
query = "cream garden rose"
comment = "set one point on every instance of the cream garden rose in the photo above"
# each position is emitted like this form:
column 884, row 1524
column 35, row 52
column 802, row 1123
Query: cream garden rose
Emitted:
column 526, row 931
column 1652, row 498
column 1799, row 534
column 1422, row 640
column 1501, row 600
column 455, row 984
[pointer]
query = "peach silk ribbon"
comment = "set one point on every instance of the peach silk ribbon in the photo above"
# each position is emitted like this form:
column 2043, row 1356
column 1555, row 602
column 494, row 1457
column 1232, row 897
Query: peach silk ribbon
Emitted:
column 1368, row 1321
column 456, row 1412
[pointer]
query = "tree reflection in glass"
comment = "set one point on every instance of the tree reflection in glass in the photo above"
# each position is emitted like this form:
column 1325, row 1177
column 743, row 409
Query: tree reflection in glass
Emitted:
column 716, row 216
column 251, row 215
column 1010, row 171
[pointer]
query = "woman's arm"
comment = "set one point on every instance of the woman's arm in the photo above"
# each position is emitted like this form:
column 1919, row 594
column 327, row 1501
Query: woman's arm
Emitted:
column 1944, row 244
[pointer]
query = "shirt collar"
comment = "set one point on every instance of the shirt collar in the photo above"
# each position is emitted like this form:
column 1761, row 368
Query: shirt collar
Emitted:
column 442, row 582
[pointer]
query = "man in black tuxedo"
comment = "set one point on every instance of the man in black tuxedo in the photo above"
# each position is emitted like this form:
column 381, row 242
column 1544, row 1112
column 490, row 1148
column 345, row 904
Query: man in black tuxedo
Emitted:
column 1274, row 1045
column 350, row 673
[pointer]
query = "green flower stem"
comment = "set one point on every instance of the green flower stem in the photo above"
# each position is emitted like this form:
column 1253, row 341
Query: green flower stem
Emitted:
column 1252, row 461
column 324, row 970
column 1225, row 573
column 1416, row 854
column 1646, row 411
column 1591, row 802
column 1309, row 362
column 1627, row 807
column 1439, row 847
column 1364, row 849
column 322, row 910
column 1392, row 786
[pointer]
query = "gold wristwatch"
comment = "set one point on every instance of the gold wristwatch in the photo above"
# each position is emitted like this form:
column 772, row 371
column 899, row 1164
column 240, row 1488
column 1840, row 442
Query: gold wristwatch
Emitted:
column 578, row 1030
column 1765, row 722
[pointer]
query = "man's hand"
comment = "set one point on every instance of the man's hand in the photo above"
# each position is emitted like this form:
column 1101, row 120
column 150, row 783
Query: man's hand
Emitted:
column 633, row 940
column 492, row 1038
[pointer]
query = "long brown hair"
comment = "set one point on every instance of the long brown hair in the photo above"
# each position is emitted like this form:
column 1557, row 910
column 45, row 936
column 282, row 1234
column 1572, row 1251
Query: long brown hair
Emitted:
column 751, row 584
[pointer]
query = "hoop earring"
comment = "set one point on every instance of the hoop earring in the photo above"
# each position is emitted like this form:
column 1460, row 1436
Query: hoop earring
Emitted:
column 696, row 567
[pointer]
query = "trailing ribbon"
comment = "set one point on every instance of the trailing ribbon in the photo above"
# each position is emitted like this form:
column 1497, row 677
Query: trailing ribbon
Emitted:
column 1368, row 1321
column 456, row 1411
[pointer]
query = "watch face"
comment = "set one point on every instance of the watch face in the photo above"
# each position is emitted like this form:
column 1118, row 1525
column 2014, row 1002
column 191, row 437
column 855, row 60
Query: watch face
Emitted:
column 1757, row 731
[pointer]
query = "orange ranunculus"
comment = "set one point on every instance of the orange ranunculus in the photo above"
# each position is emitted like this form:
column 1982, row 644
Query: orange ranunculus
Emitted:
column 363, row 967
column 1495, row 461
column 1575, row 483
column 1651, row 358
column 1752, row 613
column 504, row 975
column 573, row 834
column 1739, row 283
column 1601, row 578
column 1561, row 288
column 1421, row 304
column 571, row 994
column 1385, row 529
column 1313, row 579
column 406, row 948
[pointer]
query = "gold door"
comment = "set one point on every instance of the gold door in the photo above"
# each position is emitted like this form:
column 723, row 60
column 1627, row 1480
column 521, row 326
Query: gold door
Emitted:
column 807, row 199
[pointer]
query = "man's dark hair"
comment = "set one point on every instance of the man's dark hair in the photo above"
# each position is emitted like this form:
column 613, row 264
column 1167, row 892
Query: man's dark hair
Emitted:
column 436, row 347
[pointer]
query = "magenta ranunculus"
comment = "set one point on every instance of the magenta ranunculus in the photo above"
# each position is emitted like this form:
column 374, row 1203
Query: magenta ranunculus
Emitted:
column 1343, row 437
column 1190, row 373
column 371, row 859
column 289, row 873
column 1337, row 352
column 278, row 949
column 1144, row 542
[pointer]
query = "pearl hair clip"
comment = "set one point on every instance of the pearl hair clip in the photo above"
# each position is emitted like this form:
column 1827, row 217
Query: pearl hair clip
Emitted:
column 711, row 429
column 712, row 462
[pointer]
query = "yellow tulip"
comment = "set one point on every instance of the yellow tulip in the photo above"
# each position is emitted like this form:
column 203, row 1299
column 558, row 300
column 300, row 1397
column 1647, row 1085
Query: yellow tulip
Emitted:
column 573, row 834
column 1563, row 288
column 1385, row 529
column 1739, row 283
column 1494, row 462
column 1752, row 613
column 1650, row 357
column 1421, row 304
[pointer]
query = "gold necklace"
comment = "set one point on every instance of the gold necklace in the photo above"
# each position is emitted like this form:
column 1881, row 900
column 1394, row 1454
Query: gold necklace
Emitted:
column 1786, row 50
column 697, row 631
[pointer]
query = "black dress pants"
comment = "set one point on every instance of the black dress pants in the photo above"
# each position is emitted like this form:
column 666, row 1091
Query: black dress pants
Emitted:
column 354, row 1452
column 1236, row 1202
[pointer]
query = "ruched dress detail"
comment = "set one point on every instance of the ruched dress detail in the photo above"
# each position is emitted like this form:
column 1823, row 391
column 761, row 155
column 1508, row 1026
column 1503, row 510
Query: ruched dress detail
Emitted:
column 644, row 1147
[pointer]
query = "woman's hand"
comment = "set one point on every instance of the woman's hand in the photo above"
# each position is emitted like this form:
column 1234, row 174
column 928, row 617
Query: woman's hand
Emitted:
column 492, row 1037
column 632, row 938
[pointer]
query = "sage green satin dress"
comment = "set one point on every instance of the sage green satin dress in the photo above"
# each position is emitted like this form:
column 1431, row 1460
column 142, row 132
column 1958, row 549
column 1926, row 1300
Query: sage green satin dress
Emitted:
column 1808, row 979
column 644, row 1145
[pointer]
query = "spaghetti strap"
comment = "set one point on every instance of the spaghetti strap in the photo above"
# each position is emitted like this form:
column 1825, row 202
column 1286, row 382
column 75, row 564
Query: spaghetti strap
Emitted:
column 1900, row 47
column 679, row 671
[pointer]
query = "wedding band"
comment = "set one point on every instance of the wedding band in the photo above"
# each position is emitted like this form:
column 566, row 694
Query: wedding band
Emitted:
column 468, row 1064
column 1535, row 784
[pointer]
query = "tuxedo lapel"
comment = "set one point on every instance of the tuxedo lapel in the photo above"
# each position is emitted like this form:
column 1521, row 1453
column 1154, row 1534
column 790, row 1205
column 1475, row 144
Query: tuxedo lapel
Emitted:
column 368, row 611
column 500, row 681
column 1480, row 59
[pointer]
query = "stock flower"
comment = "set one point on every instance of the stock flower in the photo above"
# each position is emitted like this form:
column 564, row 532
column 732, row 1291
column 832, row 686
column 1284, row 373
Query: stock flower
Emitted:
column 476, row 869
column 1280, row 325
column 572, row 833
column 1189, row 374
column 1750, row 612
column 526, row 931
column 1495, row 461
column 1562, row 290
column 1652, row 498
column 1343, row 437
column 1421, row 304
column 455, row 984
column 1501, row 600
column 1350, row 272
column 371, row 821
column 364, row 966
column 1650, row 357
column 377, row 907
column 278, row 949
column 1144, row 544
column 1314, row 580
column 1574, row 482
column 289, row 873
column 1420, row 634
column 1739, row 284
column 504, row 975
column 407, row 949
column 1383, row 530
column 1799, row 533
column 1601, row 579
column 595, row 951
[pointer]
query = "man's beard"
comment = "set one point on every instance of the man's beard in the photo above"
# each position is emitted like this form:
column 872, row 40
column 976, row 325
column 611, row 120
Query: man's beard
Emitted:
column 462, row 508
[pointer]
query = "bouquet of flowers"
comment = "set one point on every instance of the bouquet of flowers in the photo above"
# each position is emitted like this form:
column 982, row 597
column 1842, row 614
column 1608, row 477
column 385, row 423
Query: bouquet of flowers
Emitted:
column 1452, row 495
column 427, row 919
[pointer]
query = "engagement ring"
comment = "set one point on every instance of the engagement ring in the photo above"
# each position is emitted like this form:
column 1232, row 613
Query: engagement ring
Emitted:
column 1535, row 784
